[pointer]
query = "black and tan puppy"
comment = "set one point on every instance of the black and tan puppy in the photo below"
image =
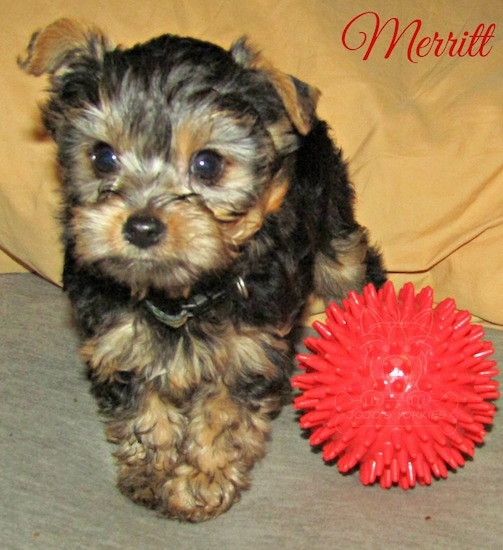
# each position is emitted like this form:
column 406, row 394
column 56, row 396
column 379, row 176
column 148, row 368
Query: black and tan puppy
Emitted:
column 203, row 201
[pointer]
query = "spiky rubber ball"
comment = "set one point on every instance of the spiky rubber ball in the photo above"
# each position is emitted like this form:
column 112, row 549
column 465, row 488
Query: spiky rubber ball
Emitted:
column 396, row 386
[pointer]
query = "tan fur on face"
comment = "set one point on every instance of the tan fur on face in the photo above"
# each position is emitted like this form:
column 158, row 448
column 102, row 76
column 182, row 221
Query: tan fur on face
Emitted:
column 231, row 193
column 192, row 244
column 239, row 231
column 238, row 140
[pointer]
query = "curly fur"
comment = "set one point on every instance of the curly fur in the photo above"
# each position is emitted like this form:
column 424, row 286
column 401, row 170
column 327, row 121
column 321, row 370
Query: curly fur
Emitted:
column 145, row 230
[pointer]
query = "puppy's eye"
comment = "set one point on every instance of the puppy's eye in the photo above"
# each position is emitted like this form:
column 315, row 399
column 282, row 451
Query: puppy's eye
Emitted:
column 104, row 159
column 207, row 166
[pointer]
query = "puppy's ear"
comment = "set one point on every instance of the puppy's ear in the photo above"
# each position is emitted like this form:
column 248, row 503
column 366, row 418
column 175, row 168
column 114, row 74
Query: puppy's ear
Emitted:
column 299, row 99
column 72, row 54
column 61, row 45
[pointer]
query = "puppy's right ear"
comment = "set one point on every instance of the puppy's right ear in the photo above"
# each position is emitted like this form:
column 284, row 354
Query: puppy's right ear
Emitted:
column 73, row 56
column 62, row 45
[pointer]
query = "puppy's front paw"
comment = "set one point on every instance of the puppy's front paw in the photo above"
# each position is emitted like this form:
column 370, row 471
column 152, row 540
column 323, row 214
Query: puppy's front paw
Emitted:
column 193, row 495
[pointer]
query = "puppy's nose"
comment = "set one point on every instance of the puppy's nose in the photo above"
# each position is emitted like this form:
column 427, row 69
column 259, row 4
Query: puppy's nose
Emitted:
column 143, row 231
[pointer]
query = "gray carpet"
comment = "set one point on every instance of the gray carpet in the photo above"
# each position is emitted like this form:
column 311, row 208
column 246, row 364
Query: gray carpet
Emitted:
column 57, row 488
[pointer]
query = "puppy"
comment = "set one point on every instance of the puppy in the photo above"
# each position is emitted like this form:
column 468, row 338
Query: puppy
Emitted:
column 203, row 201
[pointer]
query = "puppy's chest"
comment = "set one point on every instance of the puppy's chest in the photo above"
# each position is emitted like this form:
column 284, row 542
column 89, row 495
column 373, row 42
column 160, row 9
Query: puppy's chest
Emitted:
column 176, row 360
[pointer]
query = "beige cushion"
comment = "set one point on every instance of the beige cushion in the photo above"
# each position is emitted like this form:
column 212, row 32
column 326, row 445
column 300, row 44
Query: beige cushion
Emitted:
column 424, row 136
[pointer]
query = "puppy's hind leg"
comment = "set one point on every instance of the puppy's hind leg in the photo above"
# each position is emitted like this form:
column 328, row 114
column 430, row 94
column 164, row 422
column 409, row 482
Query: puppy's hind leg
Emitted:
column 349, row 263
column 344, row 260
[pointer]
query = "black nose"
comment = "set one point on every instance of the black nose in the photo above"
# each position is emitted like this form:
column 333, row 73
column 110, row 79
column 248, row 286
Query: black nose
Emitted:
column 143, row 231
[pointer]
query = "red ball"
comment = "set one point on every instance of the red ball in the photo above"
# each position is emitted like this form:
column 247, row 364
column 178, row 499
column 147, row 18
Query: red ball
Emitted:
column 397, row 386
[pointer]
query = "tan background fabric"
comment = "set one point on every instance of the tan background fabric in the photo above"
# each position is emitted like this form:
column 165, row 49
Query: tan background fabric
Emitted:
column 424, row 139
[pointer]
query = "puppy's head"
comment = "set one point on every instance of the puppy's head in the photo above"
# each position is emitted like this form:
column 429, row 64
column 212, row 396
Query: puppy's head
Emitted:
column 172, row 152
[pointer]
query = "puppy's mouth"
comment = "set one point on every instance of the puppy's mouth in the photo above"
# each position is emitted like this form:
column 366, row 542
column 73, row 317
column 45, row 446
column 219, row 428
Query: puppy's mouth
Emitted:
column 170, row 247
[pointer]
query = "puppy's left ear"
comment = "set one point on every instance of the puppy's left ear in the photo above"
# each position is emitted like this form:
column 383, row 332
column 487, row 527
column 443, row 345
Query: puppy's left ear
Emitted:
column 300, row 99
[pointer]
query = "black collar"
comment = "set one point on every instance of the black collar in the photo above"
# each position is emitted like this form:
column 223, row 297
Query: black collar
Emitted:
column 198, row 304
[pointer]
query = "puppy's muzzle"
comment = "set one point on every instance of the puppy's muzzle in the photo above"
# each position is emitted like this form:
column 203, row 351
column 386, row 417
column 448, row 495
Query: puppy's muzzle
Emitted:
column 143, row 231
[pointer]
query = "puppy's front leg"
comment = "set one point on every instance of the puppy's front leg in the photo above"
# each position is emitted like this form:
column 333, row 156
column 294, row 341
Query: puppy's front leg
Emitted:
column 228, row 425
column 223, row 441
column 142, row 419
column 148, row 449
